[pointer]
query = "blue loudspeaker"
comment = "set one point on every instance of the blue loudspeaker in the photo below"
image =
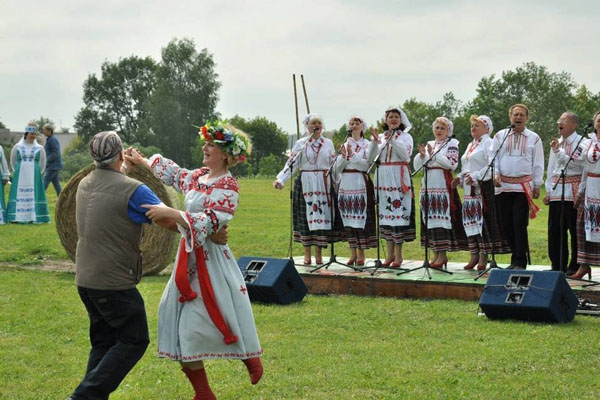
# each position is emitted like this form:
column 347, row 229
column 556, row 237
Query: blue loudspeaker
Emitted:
column 540, row 296
column 272, row 280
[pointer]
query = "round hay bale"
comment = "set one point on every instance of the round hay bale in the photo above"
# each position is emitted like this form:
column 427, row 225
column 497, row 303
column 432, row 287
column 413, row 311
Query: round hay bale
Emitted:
column 157, row 244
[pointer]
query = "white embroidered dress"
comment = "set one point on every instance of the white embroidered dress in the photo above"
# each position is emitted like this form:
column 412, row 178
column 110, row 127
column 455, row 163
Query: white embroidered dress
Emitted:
column 392, row 178
column 475, row 162
column 444, row 157
column 352, row 192
column 591, row 184
column 313, row 158
column 186, row 331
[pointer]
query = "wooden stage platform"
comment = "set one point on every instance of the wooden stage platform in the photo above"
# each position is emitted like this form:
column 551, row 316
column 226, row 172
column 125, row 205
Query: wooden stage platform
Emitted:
column 337, row 278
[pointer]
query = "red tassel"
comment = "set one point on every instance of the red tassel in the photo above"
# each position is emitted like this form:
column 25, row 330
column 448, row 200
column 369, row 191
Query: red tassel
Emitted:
column 182, row 280
column 210, row 302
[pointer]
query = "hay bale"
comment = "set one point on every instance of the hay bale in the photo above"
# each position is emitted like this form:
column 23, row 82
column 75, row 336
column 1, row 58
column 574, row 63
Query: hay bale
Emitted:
column 157, row 243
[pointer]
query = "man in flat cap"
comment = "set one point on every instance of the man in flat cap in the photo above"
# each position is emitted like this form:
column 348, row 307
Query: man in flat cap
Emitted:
column 109, row 266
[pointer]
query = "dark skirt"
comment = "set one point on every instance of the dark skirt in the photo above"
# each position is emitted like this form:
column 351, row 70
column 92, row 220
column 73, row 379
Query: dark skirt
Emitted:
column 318, row 237
column 365, row 238
column 441, row 239
column 490, row 238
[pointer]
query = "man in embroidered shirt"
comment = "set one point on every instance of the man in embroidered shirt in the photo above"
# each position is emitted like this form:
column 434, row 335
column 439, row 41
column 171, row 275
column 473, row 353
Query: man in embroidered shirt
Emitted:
column 518, row 176
column 569, row 145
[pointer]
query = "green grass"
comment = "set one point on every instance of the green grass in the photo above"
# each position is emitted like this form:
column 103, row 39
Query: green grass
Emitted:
column 326, row 347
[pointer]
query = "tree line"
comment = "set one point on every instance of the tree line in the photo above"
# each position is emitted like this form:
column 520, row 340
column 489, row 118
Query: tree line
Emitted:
column 156, row 106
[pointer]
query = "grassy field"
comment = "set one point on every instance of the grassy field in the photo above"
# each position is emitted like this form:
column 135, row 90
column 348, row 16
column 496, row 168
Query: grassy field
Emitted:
column 261, row 227
column 326, row 347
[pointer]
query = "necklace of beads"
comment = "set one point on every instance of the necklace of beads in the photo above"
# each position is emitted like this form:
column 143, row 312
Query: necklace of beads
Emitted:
column 316, row 149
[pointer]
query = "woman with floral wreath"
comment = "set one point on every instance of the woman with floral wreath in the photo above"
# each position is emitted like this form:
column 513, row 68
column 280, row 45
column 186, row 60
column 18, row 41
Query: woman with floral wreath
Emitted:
column 205, row 312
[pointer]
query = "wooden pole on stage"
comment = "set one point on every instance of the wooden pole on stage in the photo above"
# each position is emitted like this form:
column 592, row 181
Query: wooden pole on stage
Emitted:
column 305, row 97
column 296, row 105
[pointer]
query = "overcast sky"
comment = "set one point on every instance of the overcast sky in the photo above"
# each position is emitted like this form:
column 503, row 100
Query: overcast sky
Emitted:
column 357, row 57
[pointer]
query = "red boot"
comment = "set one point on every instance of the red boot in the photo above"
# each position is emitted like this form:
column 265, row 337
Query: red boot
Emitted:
column 200, row 384
column 255, row 369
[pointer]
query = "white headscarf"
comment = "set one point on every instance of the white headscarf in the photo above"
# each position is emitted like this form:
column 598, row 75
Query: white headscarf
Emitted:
column 486, row 121
column 310, row 117
column 403, row 117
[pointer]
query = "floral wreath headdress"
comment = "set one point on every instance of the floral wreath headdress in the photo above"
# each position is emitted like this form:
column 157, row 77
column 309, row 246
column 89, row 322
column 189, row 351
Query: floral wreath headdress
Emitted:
column 230, row 139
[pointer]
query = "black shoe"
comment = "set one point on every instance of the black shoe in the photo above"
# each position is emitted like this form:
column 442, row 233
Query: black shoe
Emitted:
column 515, row 267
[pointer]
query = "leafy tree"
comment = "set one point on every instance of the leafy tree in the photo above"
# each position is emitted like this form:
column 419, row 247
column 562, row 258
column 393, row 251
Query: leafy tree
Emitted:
column 2, row 126
column 185, row 96
column 546, row 94
column 117, row 99
column 269, row 166
column 585, row 105
column 267, row 139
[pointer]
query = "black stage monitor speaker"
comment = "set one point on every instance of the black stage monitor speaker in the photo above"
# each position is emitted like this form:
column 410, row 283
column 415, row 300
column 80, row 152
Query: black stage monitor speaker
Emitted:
column 540, row 296
column 272, row 280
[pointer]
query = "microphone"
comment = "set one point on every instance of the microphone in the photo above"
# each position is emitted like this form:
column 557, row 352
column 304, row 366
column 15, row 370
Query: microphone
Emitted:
column 588, row 126
column 349, row 132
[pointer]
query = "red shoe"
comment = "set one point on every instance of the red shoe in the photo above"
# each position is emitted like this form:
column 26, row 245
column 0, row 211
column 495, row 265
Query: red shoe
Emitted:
column 386, row 263
column 395, row 265
column 351, row 261
column 360, row 263
column 583, row 271
column 470, row 266
column 481, row 267
column 440, row 264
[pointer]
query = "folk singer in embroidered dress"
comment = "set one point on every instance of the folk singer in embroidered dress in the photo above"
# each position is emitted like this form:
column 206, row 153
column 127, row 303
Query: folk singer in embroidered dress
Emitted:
column 27, row 199
column 5, row 176
column 393, row 184
column 205, row 311
column 478, row 208
column 440, row 203
column 588, row 252
column 519, row 174
column 355, row 192
column 570, row 145
column 313, row 212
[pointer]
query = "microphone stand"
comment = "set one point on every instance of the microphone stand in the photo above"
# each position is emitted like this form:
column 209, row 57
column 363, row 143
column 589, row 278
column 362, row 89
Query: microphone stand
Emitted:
column 490, row 167
column 426, row 266
column 332, row 198
column 375, row 163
